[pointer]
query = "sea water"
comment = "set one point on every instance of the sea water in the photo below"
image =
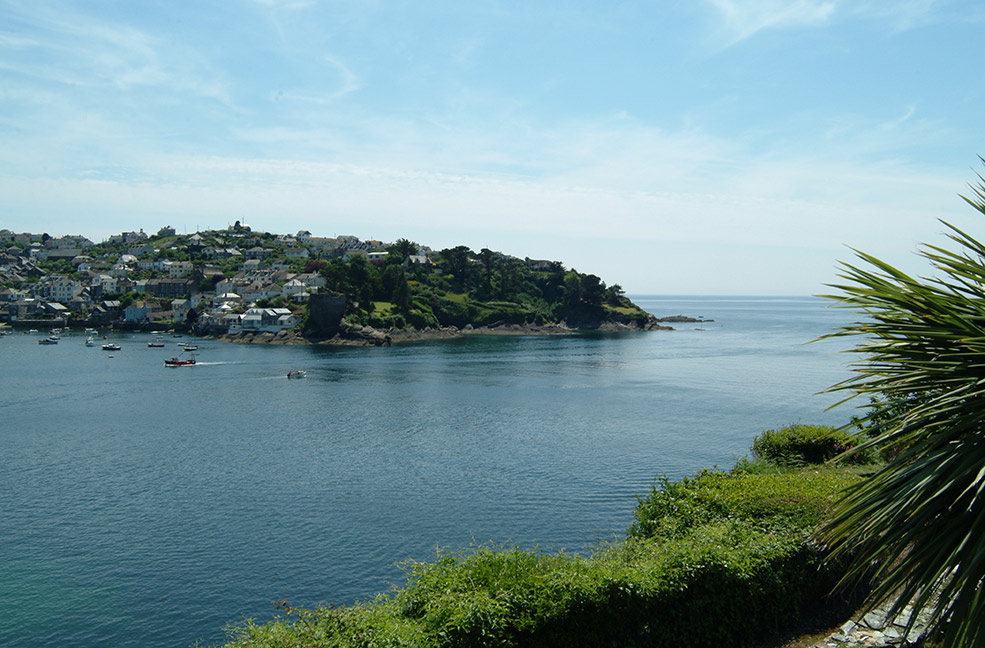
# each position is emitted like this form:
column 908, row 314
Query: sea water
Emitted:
column 150, row 506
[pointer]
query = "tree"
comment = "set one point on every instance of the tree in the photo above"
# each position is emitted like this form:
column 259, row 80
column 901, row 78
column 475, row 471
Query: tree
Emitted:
column 457, row 261
column 399, row 251
column 919, row 521
column 401, row 296
column 314, row 266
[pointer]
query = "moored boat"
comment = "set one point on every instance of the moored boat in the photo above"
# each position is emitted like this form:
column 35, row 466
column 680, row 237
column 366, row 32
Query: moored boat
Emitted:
column 48, row 340
column 158, row 342
column 111, row 347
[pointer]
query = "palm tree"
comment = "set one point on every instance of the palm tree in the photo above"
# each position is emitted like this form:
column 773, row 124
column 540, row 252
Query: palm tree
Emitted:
column 918, row 524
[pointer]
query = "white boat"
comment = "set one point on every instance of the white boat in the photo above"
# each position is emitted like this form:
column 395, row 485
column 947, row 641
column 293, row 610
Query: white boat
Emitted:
column 111, row 347
column 90, row 341
column 300, row 373
column 48, row 340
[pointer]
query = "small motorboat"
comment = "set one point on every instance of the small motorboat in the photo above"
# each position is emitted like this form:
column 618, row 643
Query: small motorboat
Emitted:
column 175, row 361
column 158, row 342
column 90, row 341
column 48, row 340
column 111, row 347
column 296, row 374
column 189, row 347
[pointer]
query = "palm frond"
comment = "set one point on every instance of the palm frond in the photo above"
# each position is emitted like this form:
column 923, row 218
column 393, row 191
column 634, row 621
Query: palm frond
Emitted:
column 918, row 523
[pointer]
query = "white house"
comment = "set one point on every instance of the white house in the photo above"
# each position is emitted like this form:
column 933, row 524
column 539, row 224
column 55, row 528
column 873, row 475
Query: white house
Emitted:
column 293, row 287
column 180, row 269
column 268, row 319
column 63, row 290
column 180, row 307
column 137, row 312
column 107, row 283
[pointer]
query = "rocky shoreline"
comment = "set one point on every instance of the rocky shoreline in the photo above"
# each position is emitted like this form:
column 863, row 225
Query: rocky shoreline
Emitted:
column 358, row 335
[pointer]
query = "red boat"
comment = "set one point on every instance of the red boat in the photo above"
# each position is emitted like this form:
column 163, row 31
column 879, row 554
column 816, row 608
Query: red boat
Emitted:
column 175, row 361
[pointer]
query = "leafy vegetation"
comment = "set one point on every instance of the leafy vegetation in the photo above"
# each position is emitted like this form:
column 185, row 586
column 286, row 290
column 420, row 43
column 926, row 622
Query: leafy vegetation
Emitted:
column 464, row 287
column 720, row 559
column 920, row 519
column 800, row 444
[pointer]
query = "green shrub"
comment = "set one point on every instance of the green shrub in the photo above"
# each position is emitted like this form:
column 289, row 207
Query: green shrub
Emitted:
column 715, row 560
column 798, row 445
column 797, row 500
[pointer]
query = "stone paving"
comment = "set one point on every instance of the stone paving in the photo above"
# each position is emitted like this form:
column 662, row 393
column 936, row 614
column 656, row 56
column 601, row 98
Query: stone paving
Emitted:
column 875, row 630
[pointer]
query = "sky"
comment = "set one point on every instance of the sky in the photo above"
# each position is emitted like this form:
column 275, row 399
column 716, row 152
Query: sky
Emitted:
column 673, row 147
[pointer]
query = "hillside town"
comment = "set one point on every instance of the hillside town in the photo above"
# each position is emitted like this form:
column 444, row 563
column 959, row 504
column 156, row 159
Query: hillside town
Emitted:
column 230, row 281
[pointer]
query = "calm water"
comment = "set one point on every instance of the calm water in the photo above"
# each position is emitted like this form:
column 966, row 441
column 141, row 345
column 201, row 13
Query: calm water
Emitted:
column 145, row 506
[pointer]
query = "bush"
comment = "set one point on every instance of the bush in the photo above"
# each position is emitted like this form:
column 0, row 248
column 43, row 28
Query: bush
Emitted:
column 799, row 445
column 796, row 501
column 716, row 560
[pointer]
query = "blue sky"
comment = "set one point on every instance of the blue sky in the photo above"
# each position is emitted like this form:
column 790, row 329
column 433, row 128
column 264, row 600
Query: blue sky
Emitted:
column 691, row 147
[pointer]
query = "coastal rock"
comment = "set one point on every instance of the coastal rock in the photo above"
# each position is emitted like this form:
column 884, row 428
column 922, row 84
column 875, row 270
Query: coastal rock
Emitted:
column 324, row 315
column 683, row 319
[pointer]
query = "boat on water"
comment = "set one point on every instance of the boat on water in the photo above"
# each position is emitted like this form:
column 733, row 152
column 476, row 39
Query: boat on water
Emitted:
column 48, row 340
column 300, row 373
column 189, row 347
column 90, row 341
column 175, row 361
column 111, row 347
column 158, row 342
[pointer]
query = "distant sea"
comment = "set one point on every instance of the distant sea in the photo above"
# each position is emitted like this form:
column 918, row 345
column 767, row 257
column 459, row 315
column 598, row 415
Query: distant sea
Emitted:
column 150, row 506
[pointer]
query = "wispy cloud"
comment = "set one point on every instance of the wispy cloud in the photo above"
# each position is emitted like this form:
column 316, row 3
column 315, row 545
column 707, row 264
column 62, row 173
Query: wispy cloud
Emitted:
column 73, row 49
column 902, row 15
column 742, row 19
column 287, row 4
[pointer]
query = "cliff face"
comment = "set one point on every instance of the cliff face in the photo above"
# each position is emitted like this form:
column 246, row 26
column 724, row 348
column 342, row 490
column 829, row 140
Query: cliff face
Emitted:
column 325, row 313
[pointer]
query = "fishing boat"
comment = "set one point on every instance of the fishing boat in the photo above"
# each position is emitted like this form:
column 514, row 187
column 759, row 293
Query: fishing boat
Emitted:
column 296, row 374
column 111, row 347
column 158, row 342
column 175, row 361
